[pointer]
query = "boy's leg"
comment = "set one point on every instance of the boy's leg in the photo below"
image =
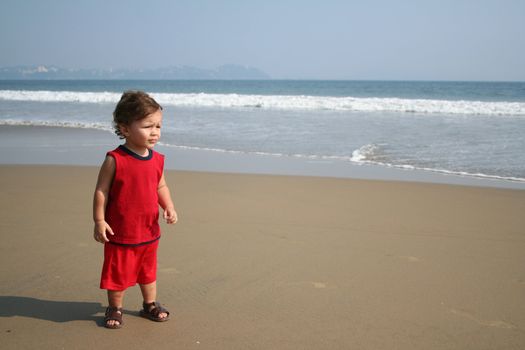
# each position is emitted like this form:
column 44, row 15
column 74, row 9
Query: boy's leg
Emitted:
column 115, row 298
column 149, row 293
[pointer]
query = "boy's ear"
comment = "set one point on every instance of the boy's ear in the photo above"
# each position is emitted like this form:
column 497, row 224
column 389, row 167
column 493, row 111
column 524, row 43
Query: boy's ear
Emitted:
column 123, row 129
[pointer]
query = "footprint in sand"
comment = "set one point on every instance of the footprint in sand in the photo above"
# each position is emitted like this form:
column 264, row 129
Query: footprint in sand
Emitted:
column 314, row 284
column 408, row 258
column 486, row 323
column 168, row 270
column 319, row 285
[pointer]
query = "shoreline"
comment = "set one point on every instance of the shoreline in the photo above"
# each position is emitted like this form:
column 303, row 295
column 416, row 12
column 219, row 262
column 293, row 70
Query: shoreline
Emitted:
column 47, row 145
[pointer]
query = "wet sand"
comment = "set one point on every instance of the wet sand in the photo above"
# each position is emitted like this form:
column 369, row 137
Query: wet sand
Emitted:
column 44, row 145
column 271, row 262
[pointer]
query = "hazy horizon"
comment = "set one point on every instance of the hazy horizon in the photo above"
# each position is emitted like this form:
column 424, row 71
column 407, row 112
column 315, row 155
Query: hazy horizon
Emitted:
column 233, row 79
column 291, row 40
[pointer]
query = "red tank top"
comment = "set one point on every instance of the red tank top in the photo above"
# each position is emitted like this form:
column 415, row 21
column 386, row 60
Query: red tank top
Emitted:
column 132, row 210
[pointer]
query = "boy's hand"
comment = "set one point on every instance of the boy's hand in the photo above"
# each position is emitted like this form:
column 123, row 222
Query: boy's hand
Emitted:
column 170, row 215
column 101, row 228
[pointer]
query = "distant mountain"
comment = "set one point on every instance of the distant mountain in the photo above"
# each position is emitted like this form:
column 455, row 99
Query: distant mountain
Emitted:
column 228, row 71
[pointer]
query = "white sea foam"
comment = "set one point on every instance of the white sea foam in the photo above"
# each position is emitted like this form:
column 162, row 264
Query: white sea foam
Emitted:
column 359, row 157
column 58, row 124
column 363, row 153
column 59, row 96
column 284, row 102
column 366, row 153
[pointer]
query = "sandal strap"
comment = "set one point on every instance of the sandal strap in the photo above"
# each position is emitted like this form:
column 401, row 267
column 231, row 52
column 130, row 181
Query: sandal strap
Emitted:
column 156, row 310
column 113, row 314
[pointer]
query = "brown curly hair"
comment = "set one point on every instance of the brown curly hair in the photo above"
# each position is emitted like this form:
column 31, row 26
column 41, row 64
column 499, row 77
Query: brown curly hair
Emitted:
column 133, row 105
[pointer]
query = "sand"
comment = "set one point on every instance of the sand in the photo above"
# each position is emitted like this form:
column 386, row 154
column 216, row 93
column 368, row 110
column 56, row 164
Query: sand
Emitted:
column 271, row 262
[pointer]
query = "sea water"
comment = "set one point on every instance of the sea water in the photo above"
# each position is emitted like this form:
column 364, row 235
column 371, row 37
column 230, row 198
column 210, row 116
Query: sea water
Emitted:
column 473, row 129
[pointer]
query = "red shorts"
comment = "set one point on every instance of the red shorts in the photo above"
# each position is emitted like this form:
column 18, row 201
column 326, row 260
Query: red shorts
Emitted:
column 125, row 266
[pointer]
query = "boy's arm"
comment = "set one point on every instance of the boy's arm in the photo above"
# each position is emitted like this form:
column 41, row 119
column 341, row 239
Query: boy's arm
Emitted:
column 100, row 200
column 170, row 215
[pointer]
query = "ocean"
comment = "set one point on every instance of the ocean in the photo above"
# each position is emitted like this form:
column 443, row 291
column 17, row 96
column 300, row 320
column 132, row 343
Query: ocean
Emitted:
column 471, row 129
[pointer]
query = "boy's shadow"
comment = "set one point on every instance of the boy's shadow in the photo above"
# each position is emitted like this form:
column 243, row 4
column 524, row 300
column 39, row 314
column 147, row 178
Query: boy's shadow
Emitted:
column 56, row 311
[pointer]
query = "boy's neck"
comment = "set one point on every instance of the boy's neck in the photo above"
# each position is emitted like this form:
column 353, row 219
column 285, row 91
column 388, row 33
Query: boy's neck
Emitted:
column 143, row 152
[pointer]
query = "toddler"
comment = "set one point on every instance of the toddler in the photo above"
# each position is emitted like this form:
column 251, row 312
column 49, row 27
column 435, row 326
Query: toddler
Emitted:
column 130, row 188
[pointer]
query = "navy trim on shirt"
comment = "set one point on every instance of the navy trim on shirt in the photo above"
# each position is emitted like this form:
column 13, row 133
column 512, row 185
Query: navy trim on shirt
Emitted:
column 135, row 244
column 135, row 155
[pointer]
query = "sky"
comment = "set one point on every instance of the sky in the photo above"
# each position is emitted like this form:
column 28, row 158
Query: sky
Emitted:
column 287, row 39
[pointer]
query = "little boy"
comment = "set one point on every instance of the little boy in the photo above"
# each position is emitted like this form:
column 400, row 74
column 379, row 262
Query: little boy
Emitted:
column 129, row 189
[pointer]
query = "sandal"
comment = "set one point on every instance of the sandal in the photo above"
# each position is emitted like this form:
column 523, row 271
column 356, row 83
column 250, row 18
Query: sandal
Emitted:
column 153, row 313
column 113, row 314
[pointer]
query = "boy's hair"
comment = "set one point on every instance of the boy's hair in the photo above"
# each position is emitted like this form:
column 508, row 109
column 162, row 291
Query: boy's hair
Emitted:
column 133, row 105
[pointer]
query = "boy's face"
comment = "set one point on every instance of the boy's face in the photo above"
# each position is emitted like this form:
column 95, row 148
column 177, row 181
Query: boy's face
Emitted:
column 143, row 133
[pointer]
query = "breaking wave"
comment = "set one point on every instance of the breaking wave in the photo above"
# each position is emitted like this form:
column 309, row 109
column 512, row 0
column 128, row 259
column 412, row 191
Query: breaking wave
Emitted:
column 284, row 102
column 371, row 154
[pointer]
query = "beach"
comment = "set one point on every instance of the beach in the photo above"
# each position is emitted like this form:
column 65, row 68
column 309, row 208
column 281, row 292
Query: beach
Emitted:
column 313, row 215
column 347, row 174
column 271, row 262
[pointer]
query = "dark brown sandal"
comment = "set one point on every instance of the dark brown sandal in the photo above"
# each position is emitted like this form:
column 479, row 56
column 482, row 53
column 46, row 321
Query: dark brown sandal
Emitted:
column 153, row 313
column 113, row 314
